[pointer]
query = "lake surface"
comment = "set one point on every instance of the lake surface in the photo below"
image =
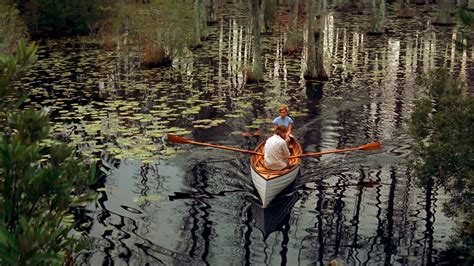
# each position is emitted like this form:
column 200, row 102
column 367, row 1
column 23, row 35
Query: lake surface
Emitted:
column 161, row 203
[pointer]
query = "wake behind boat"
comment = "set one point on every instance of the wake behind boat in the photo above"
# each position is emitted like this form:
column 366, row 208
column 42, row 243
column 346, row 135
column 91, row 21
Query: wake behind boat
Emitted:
column 270, row 183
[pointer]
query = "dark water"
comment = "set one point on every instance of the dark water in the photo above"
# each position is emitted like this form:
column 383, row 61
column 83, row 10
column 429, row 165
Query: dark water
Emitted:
column 198, row 206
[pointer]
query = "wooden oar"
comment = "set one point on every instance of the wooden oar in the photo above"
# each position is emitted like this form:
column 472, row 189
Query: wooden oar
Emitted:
column 367, row 147
column 176, row 139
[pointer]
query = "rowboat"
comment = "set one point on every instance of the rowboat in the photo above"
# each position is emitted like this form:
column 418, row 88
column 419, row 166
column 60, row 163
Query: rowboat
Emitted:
column 270, row 183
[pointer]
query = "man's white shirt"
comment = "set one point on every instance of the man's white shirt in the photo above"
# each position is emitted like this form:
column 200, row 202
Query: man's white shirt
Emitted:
column 275, row 153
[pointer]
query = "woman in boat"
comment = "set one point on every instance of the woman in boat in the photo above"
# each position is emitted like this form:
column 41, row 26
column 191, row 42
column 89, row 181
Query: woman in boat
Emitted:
column 275, row 151
column 284, row 120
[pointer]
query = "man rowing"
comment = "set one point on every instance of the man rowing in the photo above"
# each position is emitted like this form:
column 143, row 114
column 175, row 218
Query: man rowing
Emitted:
column 275, row 151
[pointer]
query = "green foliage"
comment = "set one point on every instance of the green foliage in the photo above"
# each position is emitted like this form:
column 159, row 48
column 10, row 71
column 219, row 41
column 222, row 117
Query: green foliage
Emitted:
column 12, row 67
column 61, row 18
column 466, row 17
column 38, row 185
column 442, row 125
column 40, row 180
column 464, row 38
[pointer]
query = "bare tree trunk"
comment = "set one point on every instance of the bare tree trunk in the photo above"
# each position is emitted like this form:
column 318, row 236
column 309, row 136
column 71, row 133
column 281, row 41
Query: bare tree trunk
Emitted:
column 404, row 11
column 378, row 16
column 470, row 5
column 269, row 15
column 357, row 6
column 256, row 74
column 197, row 23
column 320, row 42
column 340, row 4
column 203, row 17
column 21, row 6
column 211, row 12
column 262, row 15
column 315, row 59
column 311, row 71
column 443, row 16
column 293, row 18
column 291, row 45
column 461, row 3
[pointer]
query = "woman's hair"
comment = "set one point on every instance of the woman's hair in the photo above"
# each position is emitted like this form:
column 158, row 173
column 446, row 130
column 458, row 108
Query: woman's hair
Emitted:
column 281, row 129
column 283, row 107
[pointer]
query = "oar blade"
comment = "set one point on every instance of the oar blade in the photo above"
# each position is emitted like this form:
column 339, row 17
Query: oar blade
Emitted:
column 177, row 139
column 371, row 146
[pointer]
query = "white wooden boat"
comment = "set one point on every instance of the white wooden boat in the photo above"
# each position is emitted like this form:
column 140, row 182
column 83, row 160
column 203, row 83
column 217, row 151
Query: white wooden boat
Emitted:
column 270, row 183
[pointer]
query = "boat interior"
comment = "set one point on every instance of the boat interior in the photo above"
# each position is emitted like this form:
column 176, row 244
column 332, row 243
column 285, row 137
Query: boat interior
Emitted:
column 257, row 160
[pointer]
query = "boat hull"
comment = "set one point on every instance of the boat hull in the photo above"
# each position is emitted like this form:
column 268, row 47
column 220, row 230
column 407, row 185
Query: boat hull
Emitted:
column 269, row 189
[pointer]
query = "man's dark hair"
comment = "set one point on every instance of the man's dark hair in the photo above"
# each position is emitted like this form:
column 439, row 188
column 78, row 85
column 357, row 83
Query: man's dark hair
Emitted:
column 281, row 129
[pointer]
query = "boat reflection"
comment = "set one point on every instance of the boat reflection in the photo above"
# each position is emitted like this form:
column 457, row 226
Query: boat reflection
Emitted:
column 274, row 217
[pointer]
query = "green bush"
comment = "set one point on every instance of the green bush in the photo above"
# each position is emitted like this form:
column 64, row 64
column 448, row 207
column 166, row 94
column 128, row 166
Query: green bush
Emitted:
column 442, row 124
column 40, row 180
column 12, row 67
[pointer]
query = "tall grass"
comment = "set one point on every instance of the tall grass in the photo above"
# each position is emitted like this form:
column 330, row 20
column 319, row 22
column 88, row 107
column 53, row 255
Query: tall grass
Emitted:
column 12, row 28
column 157, row 31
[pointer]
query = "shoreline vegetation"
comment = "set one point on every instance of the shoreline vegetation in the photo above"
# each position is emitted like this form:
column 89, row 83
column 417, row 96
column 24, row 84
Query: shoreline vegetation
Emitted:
column 41, row 179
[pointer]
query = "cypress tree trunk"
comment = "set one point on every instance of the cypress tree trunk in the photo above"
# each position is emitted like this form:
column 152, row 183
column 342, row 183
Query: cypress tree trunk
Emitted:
column 311, row 71
column 470, row 5
column 256, row 73
column 21, row 6
column 211, row 13
column 443, row 16
column 291, row 45
column 404, row 11
column 315, row 58
column 321, row 72
column 357, row 6
column 269, row 15
column 378, row 17
column 203, row 17
column 197, row 23
column 262, row 15
column 342, row 5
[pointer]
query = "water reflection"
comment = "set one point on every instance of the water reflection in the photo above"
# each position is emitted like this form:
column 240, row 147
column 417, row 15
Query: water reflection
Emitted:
column 276, row 216
column 332, row 218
